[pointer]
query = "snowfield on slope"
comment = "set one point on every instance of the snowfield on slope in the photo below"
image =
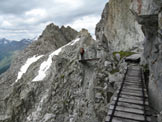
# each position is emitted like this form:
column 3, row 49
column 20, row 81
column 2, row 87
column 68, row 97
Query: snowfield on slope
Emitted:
column 47, row 64
column 25, row 67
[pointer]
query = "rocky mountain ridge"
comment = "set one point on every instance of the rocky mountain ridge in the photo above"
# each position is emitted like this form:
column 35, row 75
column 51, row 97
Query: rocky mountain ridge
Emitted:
column 66, row 91
column 47, row 83
column 7, row 45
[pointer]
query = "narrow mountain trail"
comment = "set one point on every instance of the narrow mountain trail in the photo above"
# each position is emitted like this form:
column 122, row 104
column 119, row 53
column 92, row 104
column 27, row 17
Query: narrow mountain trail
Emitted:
column 130, row 103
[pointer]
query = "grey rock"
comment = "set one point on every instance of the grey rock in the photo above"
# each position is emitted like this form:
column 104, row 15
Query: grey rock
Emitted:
column 150, row 18
column 80, row 91
column 134, row 57
column 118, row 28
column 98, row 96
column 107, row 63
column 24, row 93
column 160, row 117
column 67, row 93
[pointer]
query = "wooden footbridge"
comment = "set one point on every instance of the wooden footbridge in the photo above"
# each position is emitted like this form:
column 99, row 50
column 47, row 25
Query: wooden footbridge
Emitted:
column 87, row 60
column 130, row 103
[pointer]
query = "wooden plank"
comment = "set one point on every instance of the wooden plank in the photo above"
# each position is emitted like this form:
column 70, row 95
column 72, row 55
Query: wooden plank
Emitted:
column 85, row 60
column 129, row 89
column 133, row 80
column 131, row 97
column 126, row 109
column 130, row 81
column 118, row 119
column 134, row 94
column 132, row 88
column 133, row 76
column 133, row 83
column 130, row 105
column 134, row 72
column 139, row 102
column 135, row 86
column 132, row 91
column 128, row 92
column 134, row 67
column 127, row 115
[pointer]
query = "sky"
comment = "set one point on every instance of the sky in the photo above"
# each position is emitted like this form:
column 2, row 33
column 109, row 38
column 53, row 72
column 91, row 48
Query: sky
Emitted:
column 28, row 18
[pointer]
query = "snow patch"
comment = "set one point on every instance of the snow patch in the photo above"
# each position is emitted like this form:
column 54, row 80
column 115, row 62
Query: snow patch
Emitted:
column 25, row 67
column 47, row 64
column 74, row 41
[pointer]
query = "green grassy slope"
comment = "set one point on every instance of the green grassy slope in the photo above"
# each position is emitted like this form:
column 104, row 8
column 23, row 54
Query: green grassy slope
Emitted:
column 5, row 61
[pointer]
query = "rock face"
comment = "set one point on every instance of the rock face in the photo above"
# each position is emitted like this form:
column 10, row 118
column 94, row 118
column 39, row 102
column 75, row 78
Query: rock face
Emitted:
column 149, row 16
column 119, row 27
column 51, row 39
column 44, row 45
column 124, row 24
column 47, row 83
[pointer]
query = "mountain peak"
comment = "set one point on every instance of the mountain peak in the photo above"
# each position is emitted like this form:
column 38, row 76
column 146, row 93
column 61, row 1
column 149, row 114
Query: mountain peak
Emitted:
column 4, row 41
column 52, row 38
column 84, row 32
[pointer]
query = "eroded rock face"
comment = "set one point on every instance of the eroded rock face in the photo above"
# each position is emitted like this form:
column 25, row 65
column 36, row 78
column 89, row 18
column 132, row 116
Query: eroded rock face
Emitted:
column 51, row 39
column 146, row 7
column 124, row 24
column 119, row 27
column 57, row 87
column 149, row 16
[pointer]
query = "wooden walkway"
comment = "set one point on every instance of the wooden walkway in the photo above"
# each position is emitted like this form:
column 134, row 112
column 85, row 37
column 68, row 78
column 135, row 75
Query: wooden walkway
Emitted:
column 130, row 103
column 86, row 60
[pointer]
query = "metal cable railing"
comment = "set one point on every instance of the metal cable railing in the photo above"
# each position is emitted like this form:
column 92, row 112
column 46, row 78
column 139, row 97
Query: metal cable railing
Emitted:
column 118, row 95
column 143, row 92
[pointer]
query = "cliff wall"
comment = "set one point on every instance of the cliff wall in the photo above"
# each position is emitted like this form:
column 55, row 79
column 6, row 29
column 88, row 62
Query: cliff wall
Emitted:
column 119, row 26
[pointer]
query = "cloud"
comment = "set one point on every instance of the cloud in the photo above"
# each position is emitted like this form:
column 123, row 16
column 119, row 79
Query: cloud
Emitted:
column 16, row 6
column 36, row 12
column 35, row 15
column 88, row 22
column 74, row 4
column 27, row 19
column 6, row 24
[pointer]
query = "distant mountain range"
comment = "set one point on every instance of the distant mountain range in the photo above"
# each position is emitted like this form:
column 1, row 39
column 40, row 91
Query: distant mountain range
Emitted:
column 8, row 49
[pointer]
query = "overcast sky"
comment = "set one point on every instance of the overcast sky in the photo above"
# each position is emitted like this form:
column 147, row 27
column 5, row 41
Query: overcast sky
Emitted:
column 28, row 18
